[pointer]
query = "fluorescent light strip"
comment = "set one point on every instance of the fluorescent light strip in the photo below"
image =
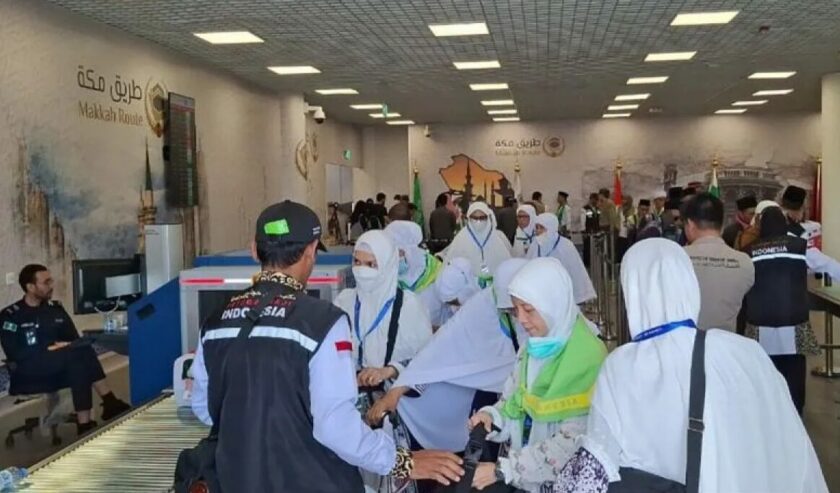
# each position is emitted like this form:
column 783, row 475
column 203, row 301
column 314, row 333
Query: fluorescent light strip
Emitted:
column 615, row 115
column 773, row 92
column 750, row 103
column 294, row 69
column 704, row 18
column 477, row 65
column 619, row 107
column 731, row 111
column 372, row 106
column 229, row 37
column 400, row 122
column 632, row 97
column 498, row 102
column 381, row 115
column 670, row 57
column 506, row 119
column 489, row 87
column 333, row 92
column 511, row 111
column 772, row 75
column 646, row 80
column 462, row 29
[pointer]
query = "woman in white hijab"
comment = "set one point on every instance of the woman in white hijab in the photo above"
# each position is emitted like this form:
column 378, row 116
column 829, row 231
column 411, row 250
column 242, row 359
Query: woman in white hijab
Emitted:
column 474, row 351
column 526, row 217
column 418, row 269
column 481, row 243
column 454, row 286
column 753, row 439
column 546, row 399
column 550, row 243
column 369, row 306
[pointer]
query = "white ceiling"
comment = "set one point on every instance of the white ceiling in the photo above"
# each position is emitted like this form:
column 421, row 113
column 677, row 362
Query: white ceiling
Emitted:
column 562, row 58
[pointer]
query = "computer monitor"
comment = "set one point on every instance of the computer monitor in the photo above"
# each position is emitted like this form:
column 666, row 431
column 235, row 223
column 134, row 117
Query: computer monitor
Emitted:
column 103, row 284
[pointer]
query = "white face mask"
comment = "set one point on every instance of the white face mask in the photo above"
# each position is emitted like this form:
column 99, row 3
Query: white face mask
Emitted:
column 366, row 278
column 542, row 240
column 479, row 226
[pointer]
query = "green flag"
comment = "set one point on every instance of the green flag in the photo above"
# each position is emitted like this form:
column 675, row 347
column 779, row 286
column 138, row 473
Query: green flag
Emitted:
column 417, row 200
column 714, row 188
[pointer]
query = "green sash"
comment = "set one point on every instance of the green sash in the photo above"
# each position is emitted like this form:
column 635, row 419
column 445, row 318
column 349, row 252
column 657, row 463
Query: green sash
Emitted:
column 430, row 273
column 563, row 388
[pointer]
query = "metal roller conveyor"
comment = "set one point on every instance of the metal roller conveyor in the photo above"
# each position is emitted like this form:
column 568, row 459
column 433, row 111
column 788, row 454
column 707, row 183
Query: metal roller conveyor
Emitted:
column 136, row 454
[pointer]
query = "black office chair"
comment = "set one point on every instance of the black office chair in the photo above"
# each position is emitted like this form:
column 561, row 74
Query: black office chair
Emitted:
column 52, row 419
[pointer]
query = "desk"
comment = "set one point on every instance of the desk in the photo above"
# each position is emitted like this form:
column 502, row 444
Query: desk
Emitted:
column 116, row 341
column 827, row 300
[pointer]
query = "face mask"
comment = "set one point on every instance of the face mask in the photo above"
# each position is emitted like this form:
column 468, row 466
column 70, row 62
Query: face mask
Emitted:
column 544, row 347
column 367, row 278
column 542, row 240
column 479, row 226
column 403, row 269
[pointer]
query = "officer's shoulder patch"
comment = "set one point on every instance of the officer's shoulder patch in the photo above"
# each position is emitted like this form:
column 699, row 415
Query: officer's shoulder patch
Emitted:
column 10, row 326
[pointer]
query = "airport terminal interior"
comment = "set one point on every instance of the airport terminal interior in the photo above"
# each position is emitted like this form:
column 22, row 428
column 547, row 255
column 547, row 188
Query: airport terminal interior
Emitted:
column 143, row 141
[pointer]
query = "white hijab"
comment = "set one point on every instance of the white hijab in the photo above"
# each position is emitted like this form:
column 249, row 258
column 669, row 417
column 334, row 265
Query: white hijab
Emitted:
column 552, row 244
column 496, row 249
column 545, row 284
column 753, row 439
column 456, row 281
column 407, row 236
column 374, row 293
column 524, row 236
column 469, row 352
column 764, row 204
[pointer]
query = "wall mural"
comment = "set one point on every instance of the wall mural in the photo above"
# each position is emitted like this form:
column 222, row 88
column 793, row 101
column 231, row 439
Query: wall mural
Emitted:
column 467, row 179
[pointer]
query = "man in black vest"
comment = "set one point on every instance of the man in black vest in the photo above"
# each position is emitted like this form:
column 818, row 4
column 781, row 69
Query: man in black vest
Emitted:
column 590, row 220
column 793, row 202
column 284, row 397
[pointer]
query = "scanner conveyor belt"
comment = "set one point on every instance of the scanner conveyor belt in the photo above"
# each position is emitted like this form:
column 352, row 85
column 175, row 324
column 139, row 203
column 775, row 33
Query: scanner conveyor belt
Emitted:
column 137, row 454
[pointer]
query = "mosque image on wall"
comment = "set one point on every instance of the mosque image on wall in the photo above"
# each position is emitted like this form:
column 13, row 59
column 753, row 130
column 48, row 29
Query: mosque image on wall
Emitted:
column 466, row 178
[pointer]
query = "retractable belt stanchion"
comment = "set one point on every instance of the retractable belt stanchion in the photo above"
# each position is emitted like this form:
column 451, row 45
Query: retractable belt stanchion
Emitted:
column 608, row 276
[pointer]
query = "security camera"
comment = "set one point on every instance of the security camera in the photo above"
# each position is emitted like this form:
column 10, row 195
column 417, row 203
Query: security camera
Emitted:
column 427, row 131
column 317, row 113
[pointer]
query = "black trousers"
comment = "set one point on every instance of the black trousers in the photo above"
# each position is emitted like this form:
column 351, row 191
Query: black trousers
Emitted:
column 74, row 367
column 794, row 368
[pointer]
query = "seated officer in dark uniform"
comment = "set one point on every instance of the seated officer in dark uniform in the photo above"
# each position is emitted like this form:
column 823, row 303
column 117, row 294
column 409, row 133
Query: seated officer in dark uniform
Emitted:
column 38, row 338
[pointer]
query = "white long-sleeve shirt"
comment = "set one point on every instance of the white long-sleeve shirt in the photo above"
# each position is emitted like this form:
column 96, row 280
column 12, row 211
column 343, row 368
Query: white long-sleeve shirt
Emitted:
column 332, row 388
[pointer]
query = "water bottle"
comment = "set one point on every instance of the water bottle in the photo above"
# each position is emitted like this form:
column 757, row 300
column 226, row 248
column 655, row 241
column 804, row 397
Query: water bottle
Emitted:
column 11, row 477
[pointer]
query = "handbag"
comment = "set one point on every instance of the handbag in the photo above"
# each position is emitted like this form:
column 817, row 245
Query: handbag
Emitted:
column 195, row 471
column 638, row 481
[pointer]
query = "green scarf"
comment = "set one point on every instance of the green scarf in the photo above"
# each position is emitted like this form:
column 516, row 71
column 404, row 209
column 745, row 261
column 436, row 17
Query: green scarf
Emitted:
column 563, row 388
column 430, row 273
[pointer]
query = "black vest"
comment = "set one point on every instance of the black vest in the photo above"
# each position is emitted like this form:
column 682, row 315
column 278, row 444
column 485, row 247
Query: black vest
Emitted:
column 266, row 441
column 593, row 219
column 779, row 296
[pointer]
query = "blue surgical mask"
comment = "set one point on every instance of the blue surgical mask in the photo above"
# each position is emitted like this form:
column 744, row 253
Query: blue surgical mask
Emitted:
column 403, row 269
column 545, row 347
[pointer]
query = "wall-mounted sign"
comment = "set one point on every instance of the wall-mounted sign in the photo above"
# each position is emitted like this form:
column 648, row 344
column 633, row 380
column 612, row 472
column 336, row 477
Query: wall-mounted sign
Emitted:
column 467, row 178
column 550, row 146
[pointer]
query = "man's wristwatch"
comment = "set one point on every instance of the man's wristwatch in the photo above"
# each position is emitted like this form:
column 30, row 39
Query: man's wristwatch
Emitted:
column 500, row 475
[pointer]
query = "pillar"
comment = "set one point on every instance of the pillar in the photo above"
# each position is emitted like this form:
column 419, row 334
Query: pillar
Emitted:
column 831, row 164
column 283, row 180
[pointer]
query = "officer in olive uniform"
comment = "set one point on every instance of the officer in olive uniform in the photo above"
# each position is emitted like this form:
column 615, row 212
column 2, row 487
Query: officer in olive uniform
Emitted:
column 45, row 354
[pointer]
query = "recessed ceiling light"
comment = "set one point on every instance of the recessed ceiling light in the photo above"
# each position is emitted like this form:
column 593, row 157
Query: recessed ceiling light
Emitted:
column 333, row 92
column 773, row 92
column 750, row 103
column 704, row 18
column 772, row 75
column 619, row 107
column 294, row 69
column 400, row 122
column 382, row 115
column 632, row 97
column 670, row 56
column 615, row 115
column 506, row 119
column 489, row 87
column 372, row 106
column 461, row 29
column 477, row 65
column 229, row 37
column 497, row 102
column 731, row 111
column 511, row 111
column 646, row 80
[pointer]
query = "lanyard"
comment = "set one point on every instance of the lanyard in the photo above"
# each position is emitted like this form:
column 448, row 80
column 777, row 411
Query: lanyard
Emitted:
column 480, row 245
column 664, row 329
column 373, row 326
column 539, row 250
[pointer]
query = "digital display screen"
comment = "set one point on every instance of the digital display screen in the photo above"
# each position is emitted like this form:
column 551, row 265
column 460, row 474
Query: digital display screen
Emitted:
column 180, row 169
